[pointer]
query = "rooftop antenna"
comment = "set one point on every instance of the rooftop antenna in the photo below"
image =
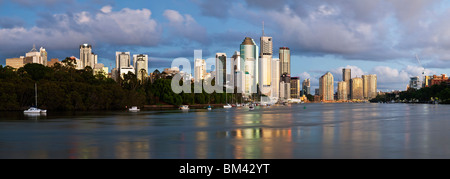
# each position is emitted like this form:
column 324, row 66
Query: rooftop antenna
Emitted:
column 263, row 29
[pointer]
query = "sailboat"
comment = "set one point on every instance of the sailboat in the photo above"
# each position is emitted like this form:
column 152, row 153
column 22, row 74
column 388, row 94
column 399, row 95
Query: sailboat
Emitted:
column 35, row 110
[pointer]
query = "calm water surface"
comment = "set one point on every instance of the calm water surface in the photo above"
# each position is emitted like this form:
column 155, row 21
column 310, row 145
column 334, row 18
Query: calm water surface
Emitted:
column 319, row 131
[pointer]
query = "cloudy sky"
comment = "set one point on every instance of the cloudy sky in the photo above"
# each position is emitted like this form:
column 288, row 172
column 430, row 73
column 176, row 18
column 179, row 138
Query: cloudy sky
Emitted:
column 370, row 37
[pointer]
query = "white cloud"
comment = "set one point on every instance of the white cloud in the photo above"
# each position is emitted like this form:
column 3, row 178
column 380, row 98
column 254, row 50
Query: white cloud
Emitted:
column 394, row 79
column 124, row 27
column 82, row 17
column 173, row 16
column 106, row 9
column 185, row 26
column 356, row 72
column 305, row 75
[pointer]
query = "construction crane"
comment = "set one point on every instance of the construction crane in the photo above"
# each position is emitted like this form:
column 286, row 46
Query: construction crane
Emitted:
column 418, row 59
column 423, row 73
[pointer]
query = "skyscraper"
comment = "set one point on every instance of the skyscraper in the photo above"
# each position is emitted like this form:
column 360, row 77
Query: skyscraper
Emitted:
column 236, row 71
column 199, row 70
column 342, row 90
column 275, row 79
column 221, row 68
column 285, row 90
column 265, row 66
column 295, row 87
column 285, row 87
column 372, row 86
column 249, row 64
column 265, row 76
column 369, row 86
column 87, row 57
column 140, row 63
column 306, row 86
column 415, row 83
column 285, row 60
column 36, row 56
column 123, row 63
column 326, row 87
column 357, row 89
column 347, row 76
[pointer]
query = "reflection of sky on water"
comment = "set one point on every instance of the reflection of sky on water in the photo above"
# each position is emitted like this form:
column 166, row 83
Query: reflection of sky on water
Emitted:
column 319, row 131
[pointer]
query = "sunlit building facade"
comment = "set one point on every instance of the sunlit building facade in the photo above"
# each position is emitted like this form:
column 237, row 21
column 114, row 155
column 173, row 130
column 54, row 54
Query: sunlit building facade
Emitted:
column 342, row 91
column 369, row 86
column 140, row 62
column 326, row 87
column 285, row 60
column 357, row 89
column 87, row 57
column 249, row 64
column 295, row 87
column 347, row 77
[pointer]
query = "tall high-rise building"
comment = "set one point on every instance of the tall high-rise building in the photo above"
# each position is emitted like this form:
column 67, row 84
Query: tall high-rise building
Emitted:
column 285, row 86
column 265, row 65
column 357, row 89
column 123, row 63
column 275, row 79
column 426, row 81
column 415, row 83
column 265, row 76
column 347, row 76
column 369, row 86
column 87, row 57
column 295, row 87
column 236, row 71
column 326, row 87
column 199, row 70
column 221, row 68
column 123, row 59
column 285, row 90
column 306, row 86
column 249, row 65
column 140, row 63
column 342, row 91
column 285, row 60
column 37, row 56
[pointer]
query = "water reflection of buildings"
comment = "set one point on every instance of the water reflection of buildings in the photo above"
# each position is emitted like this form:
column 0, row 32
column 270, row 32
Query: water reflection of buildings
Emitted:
column 247, row 139
column 262, row 143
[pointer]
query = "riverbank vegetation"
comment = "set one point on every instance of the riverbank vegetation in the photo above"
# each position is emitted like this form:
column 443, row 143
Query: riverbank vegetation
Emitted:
column 62, row 87
column 438, row 93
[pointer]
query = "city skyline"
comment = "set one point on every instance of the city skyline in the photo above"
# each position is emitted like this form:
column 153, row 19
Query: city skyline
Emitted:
column 187, row 25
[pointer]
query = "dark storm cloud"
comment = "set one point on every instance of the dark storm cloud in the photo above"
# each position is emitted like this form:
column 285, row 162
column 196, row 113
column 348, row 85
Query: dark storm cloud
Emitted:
column 360, row 30
column 214, row 8
column 11, row 22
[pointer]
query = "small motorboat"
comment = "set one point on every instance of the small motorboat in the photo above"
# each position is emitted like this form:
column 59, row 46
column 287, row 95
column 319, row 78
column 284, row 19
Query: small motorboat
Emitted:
column 184, row 107
column 34, row 110
column 134, row 109
column 227, row 106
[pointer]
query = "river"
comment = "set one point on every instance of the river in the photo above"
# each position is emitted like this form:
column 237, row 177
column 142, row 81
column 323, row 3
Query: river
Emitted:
column 349, row 131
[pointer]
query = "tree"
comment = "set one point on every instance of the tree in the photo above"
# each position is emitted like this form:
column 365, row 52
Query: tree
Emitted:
column 37, row 71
